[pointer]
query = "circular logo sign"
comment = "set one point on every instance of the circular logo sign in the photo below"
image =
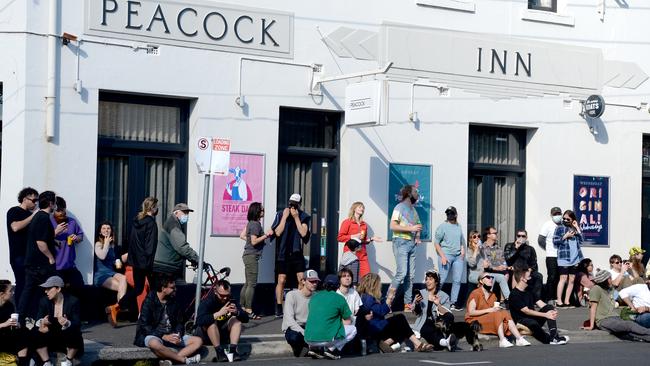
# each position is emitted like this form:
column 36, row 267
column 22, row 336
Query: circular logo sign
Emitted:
column 203, row 143
column 595, row 106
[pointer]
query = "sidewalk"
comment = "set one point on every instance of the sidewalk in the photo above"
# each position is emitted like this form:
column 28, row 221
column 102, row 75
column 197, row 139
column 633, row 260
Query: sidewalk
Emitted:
column 264, row 338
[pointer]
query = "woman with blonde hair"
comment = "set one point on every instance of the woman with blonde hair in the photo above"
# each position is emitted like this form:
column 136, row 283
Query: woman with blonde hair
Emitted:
column 482, row 306
column 142, row 244
column 474, row 258
column 388, row 330
column 353, row 227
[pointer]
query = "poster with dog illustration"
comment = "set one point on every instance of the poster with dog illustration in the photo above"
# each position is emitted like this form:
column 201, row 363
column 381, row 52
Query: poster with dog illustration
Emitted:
column 233, row 193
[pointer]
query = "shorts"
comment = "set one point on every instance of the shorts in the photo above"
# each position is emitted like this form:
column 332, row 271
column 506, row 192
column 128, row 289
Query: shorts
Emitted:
column 183, row 343
column 294, row 264
column 571, row 270
column 224, row 333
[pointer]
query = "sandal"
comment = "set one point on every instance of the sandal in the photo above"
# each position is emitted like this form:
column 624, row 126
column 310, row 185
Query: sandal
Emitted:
column 253, row 316
column 424, row 347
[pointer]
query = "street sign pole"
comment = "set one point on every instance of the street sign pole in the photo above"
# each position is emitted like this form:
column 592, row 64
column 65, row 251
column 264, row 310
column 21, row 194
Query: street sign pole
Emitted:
column 204, row 218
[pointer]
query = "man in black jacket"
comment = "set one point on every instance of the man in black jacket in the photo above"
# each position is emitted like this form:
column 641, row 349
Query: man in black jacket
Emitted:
column 220, row 317
column 520, row 255
column 160, row 326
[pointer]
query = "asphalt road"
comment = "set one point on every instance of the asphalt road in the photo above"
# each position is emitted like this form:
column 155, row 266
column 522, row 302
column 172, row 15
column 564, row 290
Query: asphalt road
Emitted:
column 591, row 354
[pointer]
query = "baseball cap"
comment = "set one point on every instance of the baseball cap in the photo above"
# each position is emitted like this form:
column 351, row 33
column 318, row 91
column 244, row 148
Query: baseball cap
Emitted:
column 451, row 209
column 311, row 275
column 556, row 211
column 331, row 280
column 636, row 250
column 295, row 198
column 182, row 207
column 430, row 272
column 54, row 281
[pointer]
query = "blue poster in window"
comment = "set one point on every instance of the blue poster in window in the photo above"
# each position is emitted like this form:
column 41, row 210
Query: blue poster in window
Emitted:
column 591, row 205
column 418, row 176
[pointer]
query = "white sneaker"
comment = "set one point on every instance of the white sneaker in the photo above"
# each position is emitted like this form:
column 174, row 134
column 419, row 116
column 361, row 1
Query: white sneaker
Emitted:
column 521, row 342
column 66, row 362
column 193, row 360
column 504, row 343
column 164, row 363
column 560, row 340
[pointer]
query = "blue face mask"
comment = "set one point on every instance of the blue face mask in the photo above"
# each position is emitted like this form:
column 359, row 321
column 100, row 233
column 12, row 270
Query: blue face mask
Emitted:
column 183, row 219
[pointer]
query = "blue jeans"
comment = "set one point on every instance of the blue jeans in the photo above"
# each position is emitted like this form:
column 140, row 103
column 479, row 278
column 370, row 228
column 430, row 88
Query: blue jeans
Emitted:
column 502, row 281
column 457, row 265
column 404, row 251
column 643, row 320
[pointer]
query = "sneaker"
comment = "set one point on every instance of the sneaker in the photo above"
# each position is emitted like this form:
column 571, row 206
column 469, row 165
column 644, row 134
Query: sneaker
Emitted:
column 193, row 360
column 221, row 355
column 559, row 340
column 452, row 342
column 66, row 362
column 456, row 307
column 279, row 314
column 522, row 342
column 385, row 347
column 316, row 353
column 165, row 363
column 334, row 354
column 504, row 343
column 408, row 308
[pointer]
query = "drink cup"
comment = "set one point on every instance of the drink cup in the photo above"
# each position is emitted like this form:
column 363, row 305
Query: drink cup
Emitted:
column 229, row 356
column 118, row 264
column 497, row 304
column 69, row 240
column 14, row 316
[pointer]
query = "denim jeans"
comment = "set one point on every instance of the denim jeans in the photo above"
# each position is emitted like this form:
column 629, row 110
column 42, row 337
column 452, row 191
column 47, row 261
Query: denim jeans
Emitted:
column 456, row 265
column 404, row 251
column 501, row 280
column 643, row 320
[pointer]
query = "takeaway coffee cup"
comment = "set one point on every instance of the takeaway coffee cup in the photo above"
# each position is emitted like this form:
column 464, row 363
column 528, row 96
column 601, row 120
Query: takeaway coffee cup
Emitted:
column 497, row 304
column 229, row 356
column 14, row 316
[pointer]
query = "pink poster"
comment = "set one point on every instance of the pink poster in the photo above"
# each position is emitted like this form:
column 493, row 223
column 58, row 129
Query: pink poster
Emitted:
column 232, row 194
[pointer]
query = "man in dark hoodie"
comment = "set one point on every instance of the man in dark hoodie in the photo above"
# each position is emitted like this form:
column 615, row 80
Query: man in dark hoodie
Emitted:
column 142, row 243
column 173, row 248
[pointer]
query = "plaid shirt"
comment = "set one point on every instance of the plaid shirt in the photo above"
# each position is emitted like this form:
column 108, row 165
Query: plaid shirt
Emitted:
column 562, row 246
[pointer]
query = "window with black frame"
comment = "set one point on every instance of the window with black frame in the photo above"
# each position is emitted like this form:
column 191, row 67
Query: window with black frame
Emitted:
column 142, row 151
column 544, row 5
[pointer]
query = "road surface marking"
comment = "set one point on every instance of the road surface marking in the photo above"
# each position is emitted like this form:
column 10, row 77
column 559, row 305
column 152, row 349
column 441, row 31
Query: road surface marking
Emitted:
column 456, row 363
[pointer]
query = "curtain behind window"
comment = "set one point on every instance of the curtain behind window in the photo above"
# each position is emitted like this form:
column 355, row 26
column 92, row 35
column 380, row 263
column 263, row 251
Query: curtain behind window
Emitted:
column 504, row 208
column 161, row 183
column 112, row 178
column 139, row 122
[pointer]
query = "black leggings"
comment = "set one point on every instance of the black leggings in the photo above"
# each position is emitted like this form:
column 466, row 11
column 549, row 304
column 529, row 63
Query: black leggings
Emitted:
column 535, row 324
column 397, row 329
column 433, row 334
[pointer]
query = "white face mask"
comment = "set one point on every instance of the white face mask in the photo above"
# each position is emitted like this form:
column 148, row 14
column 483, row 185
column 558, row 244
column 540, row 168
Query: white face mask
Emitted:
column 183, row 219
column 557, row 219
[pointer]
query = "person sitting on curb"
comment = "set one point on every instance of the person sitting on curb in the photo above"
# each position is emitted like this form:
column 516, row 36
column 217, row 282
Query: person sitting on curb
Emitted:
column 296, row 311
column 522, row 309
column 351, row 296
column 220, row 318
column 13, row 337
column 388, row 331
column 637, row 297
column 603, row 314
column 482, row 305
column 160, row 326
column 329, row 324
column 59, row 323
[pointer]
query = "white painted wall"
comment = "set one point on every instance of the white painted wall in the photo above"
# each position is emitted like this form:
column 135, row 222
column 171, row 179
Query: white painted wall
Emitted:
column 560, row 144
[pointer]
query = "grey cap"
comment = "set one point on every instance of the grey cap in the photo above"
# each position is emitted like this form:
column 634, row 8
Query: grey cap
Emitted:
column 54, row 281
column 556, row 211
column 182, row 207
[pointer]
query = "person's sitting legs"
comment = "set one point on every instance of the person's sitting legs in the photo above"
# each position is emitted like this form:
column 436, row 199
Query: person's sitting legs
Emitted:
column 297, row 342
column 163, row 348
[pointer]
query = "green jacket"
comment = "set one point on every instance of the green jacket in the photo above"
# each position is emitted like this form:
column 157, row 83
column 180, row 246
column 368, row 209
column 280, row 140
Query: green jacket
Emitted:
column 173, row 248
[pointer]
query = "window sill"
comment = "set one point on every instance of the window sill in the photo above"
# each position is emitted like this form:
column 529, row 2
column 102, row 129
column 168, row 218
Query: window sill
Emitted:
column 466, row 5
column 548, row 17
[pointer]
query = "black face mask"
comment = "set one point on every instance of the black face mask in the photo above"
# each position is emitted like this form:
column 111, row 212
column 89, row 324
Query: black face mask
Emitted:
column 451, row 217
column 567, row 223
column 487, row 288
column 413, row 200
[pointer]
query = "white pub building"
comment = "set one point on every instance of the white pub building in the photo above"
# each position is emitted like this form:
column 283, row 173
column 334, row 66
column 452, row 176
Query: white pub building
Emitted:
column 500, row 108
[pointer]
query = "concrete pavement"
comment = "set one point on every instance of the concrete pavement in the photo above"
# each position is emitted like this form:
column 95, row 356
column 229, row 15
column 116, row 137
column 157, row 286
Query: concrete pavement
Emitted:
column 264, row 339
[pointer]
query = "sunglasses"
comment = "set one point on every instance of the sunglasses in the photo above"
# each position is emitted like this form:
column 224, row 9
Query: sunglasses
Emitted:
column 488, row 277
column 313, row 282
column 617, row 262
column 475, row 236
column 521, row 236
column 34, row 200
column 493, row 233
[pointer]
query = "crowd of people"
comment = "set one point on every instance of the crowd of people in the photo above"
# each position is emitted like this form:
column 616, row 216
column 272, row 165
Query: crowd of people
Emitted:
column 320, row 319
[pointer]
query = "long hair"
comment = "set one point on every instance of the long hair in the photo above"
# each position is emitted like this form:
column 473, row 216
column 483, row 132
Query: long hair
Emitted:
column 98, row 233
column 370, row 284
column 582, row 266
column 254, row 212
column 470, row 243
column 148, row 204
column 571, row 214
column 354, row 208
column 637, row 266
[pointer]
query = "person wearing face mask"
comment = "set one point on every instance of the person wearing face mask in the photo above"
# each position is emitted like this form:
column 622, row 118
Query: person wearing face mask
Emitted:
column 519, row 255
column 545, row 241
column 450, row 246
column 173, row 249
column 567, row 239
column 406, row 226
column 66, row 252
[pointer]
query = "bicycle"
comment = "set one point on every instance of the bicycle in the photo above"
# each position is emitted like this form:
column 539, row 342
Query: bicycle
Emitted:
column 212, row 277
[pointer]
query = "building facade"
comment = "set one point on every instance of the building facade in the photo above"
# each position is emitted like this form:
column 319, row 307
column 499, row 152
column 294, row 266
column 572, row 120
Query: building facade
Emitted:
column 103, row 101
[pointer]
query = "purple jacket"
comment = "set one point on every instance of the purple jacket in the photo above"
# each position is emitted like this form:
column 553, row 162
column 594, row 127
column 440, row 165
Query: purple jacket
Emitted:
column 66, row 254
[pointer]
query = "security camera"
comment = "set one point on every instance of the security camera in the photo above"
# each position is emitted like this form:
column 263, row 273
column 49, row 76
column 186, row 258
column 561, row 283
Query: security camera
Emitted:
column 240, row 101
column 67, row 38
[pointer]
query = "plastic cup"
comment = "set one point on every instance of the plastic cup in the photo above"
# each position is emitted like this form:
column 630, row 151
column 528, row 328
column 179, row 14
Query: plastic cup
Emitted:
column 118, row 264
column 497, row 304
column 14, row 316
column 69, row 240
column 229, row 356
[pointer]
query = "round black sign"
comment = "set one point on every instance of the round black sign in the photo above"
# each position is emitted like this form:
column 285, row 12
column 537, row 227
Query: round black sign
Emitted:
column 595, row 106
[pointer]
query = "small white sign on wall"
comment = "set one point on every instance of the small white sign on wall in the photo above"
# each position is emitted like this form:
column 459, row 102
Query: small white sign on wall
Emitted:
column 363, row 103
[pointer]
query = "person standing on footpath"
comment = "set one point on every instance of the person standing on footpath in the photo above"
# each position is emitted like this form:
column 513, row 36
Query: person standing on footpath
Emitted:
column 406, row 226
column 66, row 253
column 39, row 257
column 567, row 240
column 255, row 240
column 173, row 249
column 450, row 246
column 18, row 219
column 545, row 241
column 353, row 227
column 142, row 244
column 292, row 233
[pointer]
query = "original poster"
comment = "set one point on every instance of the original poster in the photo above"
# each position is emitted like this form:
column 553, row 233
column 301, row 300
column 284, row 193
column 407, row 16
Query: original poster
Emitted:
column 418, row 176
column 591, row 206
column 234, row 192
